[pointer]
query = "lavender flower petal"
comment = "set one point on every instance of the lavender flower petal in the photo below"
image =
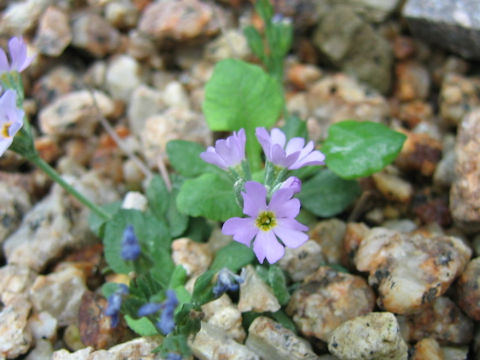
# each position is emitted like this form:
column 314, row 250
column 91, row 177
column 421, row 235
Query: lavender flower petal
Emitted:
column 293, row 183
column 267, row 246
column 4, row 67
column 253, row 204
column 242, row 230
column 227, row 153
column 11, row 119
column 18, row 54
column 290, row 236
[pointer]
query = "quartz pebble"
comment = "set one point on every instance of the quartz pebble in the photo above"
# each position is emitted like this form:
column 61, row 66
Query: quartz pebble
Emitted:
column 15, row 203
column 193, row 256
column 410, row 271
column 442, row 320
column 122, row 76
column 231, row 44
column 223, row 314
column 271, row 340
column 464, row 199
column 20, row 17
column 375, row 336
column 329, row 235
column 15, row 281
column 211, row 343
column 255, row 294
column 145, row 102
column 468, row 289
column 326, row 299
column 43, row 350
column 59, row 293
column 15, row 337
column 135, row 200
column 302, row 261
column 427, row 348
column 393, row 187
column 75, row 113
column 53, row 33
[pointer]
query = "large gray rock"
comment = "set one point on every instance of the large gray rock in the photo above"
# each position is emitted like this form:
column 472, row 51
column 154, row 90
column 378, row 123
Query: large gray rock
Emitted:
column 451, row 24
column 355, row 47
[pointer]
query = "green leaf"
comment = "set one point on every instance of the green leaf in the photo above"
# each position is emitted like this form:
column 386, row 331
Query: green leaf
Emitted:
column 96, row 223
column 202, row 290
column 209, row 195
column 275, row 278
column 255, row 41
column 242, row 95
column 356, row 149
column 158, row 196
column 199, row 229
column 178, row 278
column 233, row 256
column 152, row 235
column 326, row 194
column 295, row 127
column 174, row 343
column 265, row 9
column 184, row 156
column 177, row 222
column 284, row 320
column 109, row 288
column 142, row 326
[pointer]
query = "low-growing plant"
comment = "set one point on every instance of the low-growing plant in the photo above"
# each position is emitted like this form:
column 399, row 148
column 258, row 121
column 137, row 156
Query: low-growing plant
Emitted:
column 257, row 196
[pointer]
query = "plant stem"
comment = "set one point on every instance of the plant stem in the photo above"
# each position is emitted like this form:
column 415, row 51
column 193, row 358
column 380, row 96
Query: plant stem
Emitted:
column 37, row 160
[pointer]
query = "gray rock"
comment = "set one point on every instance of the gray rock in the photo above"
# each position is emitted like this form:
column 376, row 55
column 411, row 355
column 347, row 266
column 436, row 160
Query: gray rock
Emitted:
column 328, row 298
column 60, row 294
column 450, row 24
column 222, row 313
column 372, row 10
column 15, row 281
column 175, row 123
column 211, row 343
column 375, row 336
column 231, row 44
column 53, row 32
column 464, row 199
column 442, row 320
column 15, row 338
column 302, row 261
column 21, row 17
column 179, row 20
column 354, row 47
column 59, row 81
column 271, row 340
column 255, row 294
column 122, row 14
column 122, row 77
column 15, row 203
column 144, row 102
column 329, row 235
column 94, row 34
column 468, row 289
column 410, row 271
column 75, row 113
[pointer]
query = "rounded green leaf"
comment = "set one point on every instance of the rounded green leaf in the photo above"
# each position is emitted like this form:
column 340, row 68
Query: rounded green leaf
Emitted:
column 356, row 149
column 209, row 195
column 326, row 194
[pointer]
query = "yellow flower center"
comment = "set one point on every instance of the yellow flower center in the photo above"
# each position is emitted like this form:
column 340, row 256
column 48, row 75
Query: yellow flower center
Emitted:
column 5, row 128
column 266, row 220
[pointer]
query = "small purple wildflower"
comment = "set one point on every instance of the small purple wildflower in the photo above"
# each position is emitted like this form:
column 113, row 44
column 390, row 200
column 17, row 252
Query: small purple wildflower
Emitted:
column 11, row 119
column 226, row 281
column 18, row 54
column 115, row 303
column 166, row 323
column 292, row 156
column 267, row 224
column 293, row 183
column 130, row 247
column 227, row 152
column 149, row 309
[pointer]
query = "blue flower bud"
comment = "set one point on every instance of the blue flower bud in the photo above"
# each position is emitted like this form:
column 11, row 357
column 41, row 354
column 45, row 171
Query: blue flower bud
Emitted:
column 226, row 281
column 130, row 246
column 149, row 309
column 173, row 356
column 114, row 303
column 166, row 323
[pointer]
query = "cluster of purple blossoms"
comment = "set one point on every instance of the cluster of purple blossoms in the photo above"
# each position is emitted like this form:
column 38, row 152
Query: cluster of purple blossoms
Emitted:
column 11, row 117
column 115, row 303
column 166, row 323
column 270, row 225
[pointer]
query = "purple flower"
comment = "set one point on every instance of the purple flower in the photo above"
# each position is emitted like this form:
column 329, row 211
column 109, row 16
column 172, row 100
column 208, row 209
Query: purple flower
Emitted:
column 267, row 224
column 166, row 324
column 130, row 246
column 227, row 152
column 18, row 55
column 11, row 119
column 226, row 281
column 293, row 183
column 292, row 156
column 115, row 303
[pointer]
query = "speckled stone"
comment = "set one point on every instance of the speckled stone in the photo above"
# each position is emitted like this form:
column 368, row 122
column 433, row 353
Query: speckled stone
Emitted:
column 468, row 289
column 465, row 190
column 410, row 271
column 53, row 32
column 375, row 336
column 328, row 298
column 453, row 25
